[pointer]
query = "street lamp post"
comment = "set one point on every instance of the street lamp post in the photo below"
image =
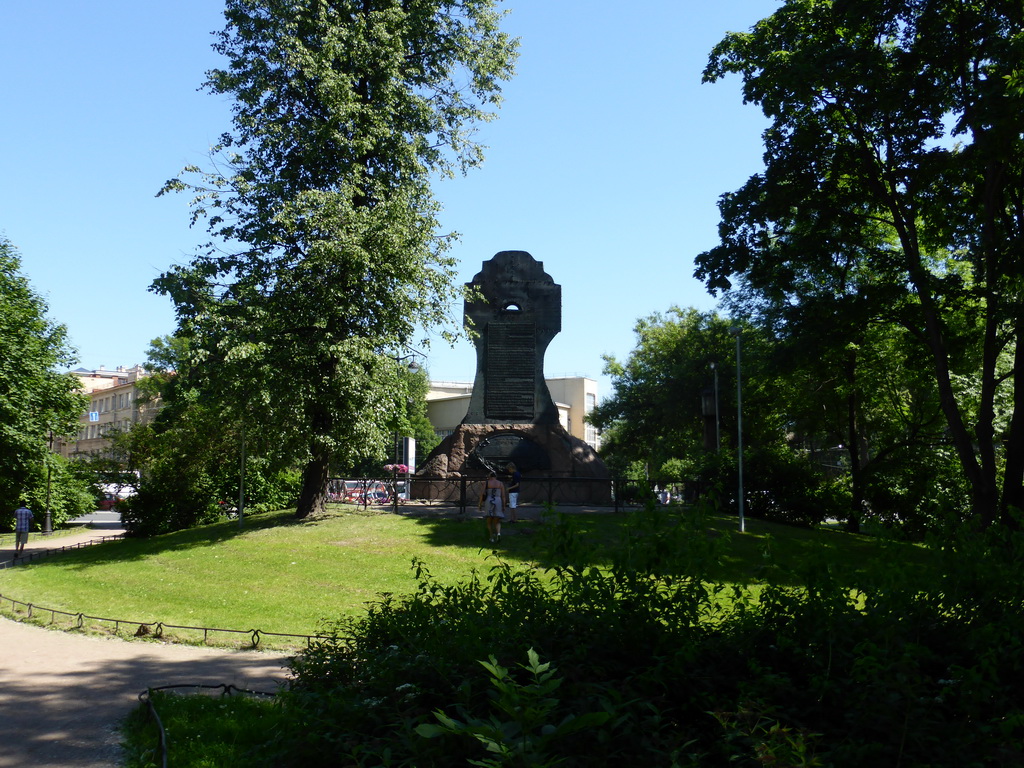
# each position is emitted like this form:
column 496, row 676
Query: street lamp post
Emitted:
column 48, row 520
column 241, row 481
column 413, row 367
column 736, row 331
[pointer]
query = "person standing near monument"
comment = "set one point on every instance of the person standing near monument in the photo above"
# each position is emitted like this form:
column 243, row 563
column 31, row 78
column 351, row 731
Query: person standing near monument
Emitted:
column 23, row 517
column 492, row 503
column 513, row 492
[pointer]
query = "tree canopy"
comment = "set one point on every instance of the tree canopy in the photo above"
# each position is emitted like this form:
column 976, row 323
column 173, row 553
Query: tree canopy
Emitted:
column 894, row 178
column 325, row 257
column 36, row 400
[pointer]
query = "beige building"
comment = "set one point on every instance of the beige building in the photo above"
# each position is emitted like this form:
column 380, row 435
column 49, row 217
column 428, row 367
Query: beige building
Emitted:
column 448, row 402
column 113, row 405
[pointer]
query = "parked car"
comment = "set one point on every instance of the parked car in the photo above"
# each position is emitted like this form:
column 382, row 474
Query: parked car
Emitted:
column 111, row 494
column 108, row 501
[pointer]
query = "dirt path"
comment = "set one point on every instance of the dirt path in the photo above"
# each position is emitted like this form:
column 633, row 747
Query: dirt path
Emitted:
column 62, row 695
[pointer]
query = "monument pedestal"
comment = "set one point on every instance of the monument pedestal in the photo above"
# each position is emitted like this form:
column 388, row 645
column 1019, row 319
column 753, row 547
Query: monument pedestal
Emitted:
column 556, row 466
column 516, row 309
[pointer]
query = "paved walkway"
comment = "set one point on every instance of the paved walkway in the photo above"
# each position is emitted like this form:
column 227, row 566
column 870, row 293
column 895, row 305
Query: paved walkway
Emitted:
column 62, row 695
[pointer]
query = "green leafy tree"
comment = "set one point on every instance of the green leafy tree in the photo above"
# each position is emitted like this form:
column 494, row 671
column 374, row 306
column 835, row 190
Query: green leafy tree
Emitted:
column 895, row 138
column 654, row 415
column 863, row 380
column 36, row 401
column 327, row 258
column 407, row 418
column 188, row 461
column 654, row 412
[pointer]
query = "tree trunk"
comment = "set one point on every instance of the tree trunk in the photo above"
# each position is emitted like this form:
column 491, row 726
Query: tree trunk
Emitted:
column 313, row 497
column 316, row 474
column 1013, row 472
column 982, row 488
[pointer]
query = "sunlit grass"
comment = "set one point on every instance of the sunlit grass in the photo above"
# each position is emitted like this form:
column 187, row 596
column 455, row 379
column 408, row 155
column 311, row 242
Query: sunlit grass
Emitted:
column 277, row 574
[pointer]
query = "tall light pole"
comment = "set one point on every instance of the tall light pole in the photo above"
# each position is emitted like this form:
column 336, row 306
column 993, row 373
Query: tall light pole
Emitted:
column 413, row 367
column 241, row 481
column 48, row 520
column 736, row 331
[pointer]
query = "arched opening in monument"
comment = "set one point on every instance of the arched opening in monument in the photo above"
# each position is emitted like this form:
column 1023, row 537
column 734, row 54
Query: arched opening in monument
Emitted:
column 512, row 307
column 495, row 451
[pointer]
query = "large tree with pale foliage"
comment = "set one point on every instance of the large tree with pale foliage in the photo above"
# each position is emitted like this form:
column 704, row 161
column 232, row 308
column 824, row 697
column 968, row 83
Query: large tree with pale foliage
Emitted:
column 325, row 256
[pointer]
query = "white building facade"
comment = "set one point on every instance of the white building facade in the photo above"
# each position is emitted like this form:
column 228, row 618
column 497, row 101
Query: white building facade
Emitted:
column 575, row 397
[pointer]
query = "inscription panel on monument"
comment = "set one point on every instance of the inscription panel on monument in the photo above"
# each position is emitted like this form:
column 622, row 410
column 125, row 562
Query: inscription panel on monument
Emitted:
column 511, row 357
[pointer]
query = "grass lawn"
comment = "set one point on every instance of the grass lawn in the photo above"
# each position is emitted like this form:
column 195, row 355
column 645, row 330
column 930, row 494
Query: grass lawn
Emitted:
column 279, row 574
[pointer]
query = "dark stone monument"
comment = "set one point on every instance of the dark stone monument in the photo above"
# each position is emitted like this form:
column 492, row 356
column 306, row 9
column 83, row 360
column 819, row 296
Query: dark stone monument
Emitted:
column 515, row 311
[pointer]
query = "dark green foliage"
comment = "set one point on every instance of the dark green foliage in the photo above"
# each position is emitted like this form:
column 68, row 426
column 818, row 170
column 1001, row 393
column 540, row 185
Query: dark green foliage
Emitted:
column 656, row 427
column 665, row 668
column 185, row 486
column 70, row 487
column 222, row 731
column 653, row 416
column 916, row 492
column 186, row 465
column 891, row 198
column 785, row 488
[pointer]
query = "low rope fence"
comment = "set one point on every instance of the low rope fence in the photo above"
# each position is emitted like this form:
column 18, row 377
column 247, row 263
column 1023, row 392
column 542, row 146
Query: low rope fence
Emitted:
column 156, row 629
column 146, row 697
column 37, row 554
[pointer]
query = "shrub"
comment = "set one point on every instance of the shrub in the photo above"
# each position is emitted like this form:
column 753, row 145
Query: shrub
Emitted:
column 669, row 669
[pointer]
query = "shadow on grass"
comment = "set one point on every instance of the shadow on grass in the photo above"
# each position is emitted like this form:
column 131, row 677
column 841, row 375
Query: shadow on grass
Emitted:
column 766, row 551
column 131, row 549
column 769, row 552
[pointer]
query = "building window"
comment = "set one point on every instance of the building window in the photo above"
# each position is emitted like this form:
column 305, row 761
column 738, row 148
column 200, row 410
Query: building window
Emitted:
column 591, row 436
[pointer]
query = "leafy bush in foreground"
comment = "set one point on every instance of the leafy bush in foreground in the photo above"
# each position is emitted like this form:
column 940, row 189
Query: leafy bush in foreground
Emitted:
column 645, row 662
column 666, row 669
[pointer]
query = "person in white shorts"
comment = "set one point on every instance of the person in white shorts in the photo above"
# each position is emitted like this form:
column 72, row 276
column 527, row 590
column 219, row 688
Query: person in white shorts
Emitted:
column 513, row 492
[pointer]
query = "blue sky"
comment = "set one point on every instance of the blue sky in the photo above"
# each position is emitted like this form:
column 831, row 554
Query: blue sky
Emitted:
column 605, row 163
